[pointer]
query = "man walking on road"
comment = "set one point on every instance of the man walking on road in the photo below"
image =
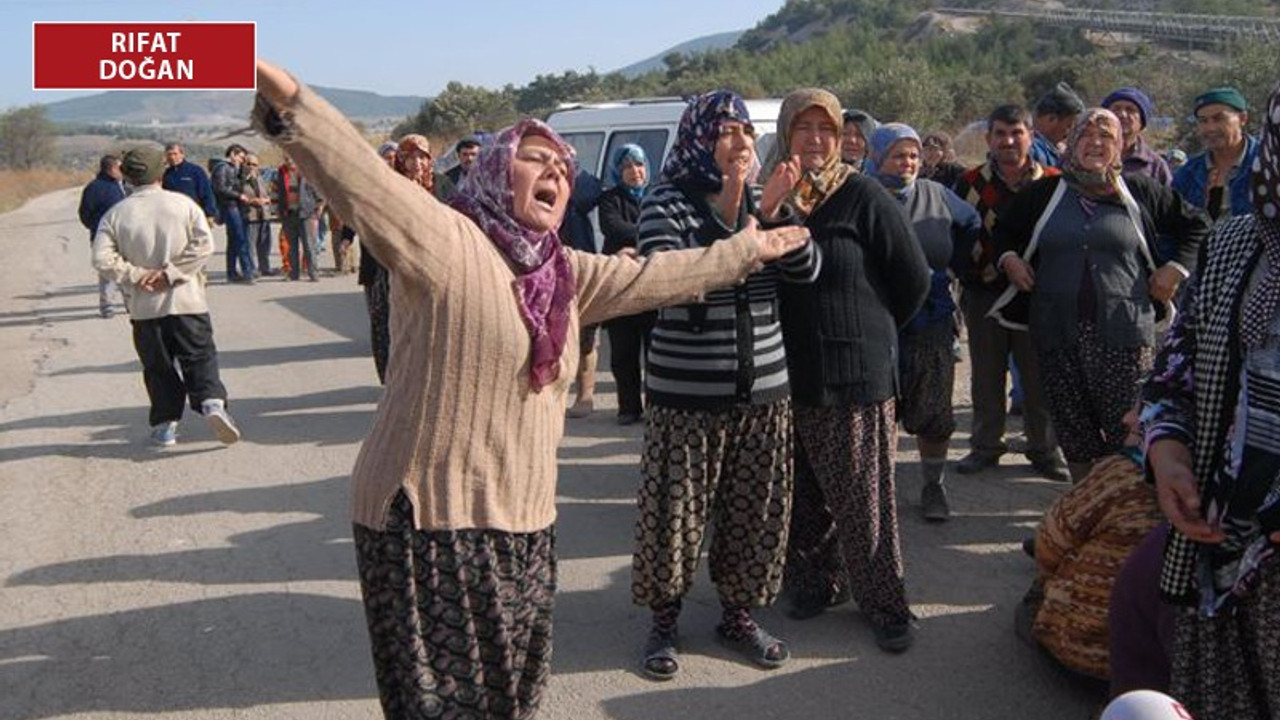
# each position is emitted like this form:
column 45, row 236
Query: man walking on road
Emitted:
column 98, row 197
column 155, row 244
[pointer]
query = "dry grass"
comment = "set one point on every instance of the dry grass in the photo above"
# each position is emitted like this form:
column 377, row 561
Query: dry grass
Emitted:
column 19, row 186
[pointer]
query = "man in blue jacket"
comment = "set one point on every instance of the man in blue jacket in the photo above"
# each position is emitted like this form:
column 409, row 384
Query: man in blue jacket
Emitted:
column 98, row 196
column 188, row 178
column 1218, row 178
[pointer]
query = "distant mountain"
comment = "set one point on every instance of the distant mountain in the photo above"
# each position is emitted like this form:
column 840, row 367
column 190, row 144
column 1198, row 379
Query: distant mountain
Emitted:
column 208, row 107
column 719, row 41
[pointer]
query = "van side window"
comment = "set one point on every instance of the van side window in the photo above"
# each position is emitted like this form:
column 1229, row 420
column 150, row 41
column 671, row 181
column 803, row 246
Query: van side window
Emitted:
column 654, row 143
column 587, row 145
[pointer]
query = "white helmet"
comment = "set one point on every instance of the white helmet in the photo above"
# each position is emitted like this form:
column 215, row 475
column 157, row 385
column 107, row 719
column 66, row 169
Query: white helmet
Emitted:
column 1145, row 705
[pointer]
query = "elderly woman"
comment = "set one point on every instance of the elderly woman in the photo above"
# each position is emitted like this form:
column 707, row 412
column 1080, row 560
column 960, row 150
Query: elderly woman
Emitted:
column 857, row 129
column 411, row 157
column 841, row 338
column 619, row 212
column 1210, row 416
column 947, row 228
column 938, row 159
column 454, row 488
column 1079, row 250
column 717, row 447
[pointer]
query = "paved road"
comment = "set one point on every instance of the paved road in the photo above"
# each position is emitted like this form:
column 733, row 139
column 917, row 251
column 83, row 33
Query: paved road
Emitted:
column 206, row 582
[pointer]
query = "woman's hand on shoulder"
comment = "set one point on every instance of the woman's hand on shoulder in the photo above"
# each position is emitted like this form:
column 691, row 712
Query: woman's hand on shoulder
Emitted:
column 774, row 243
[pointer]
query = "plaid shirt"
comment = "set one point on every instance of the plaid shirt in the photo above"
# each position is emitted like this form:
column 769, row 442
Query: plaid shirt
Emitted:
column 982, row 187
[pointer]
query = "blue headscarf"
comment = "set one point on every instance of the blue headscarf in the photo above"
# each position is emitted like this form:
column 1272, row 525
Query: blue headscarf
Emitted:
column 878, row 146
column 629, row 152
column 691, row 164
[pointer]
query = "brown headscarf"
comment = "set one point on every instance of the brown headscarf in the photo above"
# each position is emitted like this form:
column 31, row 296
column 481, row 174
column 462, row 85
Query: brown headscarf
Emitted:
column 1261, row 306
column 1096, row 185
column 814, row 186
column 407, row 144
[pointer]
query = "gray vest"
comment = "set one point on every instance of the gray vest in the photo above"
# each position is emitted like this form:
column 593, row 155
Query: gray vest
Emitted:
column 931, row 218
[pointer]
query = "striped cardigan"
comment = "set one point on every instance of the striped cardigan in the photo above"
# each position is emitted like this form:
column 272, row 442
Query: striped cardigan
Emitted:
column 726, row 350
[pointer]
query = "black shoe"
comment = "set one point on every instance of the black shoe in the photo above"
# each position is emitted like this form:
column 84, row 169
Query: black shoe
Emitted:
column 1029, row 547
column 1051, row 467
column 976, row 462
column 661, row 656
column 894, row 637
column 758, row 646
column 933, row 503
column 628, row 418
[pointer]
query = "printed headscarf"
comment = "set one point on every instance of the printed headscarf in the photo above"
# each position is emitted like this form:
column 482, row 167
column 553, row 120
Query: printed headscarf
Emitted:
column 544, row 283
column 633, row 153
column 878, row 147
column 1101, row 185
column 1261, row 306
column 814, row 186
column 691, row 164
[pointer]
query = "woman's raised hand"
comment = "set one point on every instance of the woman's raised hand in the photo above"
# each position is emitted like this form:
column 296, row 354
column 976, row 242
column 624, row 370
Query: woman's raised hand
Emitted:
column 275, row 84
column 784, row 177
column 773, row 244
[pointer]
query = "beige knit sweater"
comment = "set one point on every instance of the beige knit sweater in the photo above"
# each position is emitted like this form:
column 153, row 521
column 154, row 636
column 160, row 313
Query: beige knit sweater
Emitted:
column 459, row 429
column 154, row 229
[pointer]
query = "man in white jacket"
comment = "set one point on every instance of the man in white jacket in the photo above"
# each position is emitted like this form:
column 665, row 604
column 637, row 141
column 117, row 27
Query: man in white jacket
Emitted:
column 154, row 245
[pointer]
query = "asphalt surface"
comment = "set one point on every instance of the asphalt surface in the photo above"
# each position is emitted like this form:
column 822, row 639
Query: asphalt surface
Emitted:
column 203, row 582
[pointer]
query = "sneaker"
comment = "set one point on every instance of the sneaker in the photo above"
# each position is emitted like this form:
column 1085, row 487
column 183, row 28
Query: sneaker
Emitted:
column 933, row 503
column 895, row 637
column 976, row 462
column 215, row 411
column 165, row 434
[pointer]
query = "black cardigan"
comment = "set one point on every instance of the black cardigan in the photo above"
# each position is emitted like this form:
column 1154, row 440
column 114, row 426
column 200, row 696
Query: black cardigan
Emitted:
column 841, row 332
column 619, row 213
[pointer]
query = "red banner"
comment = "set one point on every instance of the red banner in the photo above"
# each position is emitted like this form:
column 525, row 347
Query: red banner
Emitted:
column 143, row 56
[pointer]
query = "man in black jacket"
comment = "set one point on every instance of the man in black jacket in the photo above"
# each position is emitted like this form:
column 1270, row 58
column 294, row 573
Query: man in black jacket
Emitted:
column 229, row 191
column 98, row 196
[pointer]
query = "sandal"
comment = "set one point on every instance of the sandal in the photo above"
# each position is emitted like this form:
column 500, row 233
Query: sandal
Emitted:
column 661, row 659
column 759, row 647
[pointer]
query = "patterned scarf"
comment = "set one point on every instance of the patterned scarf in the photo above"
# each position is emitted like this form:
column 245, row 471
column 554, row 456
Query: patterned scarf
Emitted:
column 814, row 186
column 1261, row 306
column 1094, row 186
column 544, row 283
column 691, row 164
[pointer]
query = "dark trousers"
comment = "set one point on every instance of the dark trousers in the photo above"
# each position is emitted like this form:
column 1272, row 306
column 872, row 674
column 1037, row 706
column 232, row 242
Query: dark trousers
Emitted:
column 294, row 227
column 259, row 233
column 237, row 243
column 179, row 361
column 990, row 345
column 628, row 341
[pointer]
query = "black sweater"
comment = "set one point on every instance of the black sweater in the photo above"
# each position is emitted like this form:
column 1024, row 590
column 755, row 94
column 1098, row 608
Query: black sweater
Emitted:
column 619, row 213
column 842, row 331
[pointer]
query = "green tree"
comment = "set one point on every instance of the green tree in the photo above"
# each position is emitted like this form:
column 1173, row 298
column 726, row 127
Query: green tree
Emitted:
column 26, row 138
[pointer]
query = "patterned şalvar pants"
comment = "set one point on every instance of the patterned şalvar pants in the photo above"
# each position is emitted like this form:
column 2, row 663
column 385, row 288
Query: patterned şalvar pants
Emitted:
column 848, row 519
column 460, row 620
column 1089, row 387
column 728, row 468
column 928, row 371
column 1228, row 667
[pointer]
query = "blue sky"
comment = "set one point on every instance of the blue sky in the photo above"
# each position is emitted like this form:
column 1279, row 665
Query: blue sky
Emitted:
column 406, row 47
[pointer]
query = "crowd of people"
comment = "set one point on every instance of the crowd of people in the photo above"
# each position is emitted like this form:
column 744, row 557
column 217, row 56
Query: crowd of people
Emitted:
column 773, row 323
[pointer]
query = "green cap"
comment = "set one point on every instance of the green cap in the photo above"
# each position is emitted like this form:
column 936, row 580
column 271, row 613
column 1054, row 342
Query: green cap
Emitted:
column 142, row 165
column 1228, row 96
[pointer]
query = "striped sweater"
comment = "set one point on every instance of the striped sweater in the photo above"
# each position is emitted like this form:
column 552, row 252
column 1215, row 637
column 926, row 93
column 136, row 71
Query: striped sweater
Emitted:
column 726, row 350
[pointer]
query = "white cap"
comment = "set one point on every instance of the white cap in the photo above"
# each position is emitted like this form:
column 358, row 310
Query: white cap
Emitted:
column 1145, row 705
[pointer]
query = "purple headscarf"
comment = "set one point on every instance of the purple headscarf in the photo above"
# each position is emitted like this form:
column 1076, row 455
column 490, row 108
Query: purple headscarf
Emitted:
column 691, row 164
column 1261, row 306
column 544, row 282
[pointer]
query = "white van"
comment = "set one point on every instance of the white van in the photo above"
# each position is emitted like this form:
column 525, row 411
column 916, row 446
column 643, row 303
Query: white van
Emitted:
column 597, row 130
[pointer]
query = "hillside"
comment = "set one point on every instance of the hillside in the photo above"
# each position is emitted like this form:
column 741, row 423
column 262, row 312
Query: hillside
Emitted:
column 211, row 108
column 706, row 43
